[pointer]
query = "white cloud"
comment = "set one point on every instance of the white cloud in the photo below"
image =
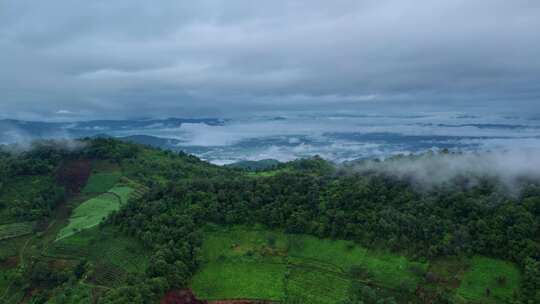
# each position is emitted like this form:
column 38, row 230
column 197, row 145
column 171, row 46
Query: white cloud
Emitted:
column 64, row 112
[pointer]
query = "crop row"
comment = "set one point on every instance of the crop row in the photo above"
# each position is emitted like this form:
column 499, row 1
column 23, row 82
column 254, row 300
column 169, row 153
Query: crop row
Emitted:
column 16, row 229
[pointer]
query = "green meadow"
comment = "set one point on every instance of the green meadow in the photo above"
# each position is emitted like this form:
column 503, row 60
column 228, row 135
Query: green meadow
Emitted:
column 101, row 182
column 254, row 263
column 311, row 285
column 93, row 211
column 261, row 264
column 104, row 246
column 489, row 281
column 240, row 279
column 383, row 268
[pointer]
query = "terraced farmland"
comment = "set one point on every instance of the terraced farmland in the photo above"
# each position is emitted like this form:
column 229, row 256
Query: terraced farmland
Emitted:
column 254, row 264
column 93, row 211
column 107, row 275
column 101, row 182
column 90, row 214
column 383, row 268
column 317, row 286
column 16, row 229
column 248, row 263
column 138, row 189
column 105, row 246
column 240, row 280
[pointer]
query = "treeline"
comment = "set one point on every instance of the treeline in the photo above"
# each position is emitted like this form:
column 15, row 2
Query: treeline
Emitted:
column 28, row 186
column 19, row 199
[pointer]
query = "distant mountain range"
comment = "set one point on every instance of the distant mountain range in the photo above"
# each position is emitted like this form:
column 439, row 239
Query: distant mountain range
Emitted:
column 337, row 138
column 14, row 130
column 154, row 141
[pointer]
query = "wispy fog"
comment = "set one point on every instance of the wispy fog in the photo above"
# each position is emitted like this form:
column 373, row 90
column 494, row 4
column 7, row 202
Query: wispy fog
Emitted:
column 334, row 136
column 25, row 143
column 432, row 169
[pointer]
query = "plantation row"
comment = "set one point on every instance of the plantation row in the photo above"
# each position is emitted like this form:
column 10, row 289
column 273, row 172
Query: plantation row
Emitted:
column 93, row 211
column 16, row 229
column 253, row 264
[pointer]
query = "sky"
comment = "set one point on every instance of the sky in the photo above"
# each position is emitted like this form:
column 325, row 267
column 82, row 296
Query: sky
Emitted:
column 116, row 59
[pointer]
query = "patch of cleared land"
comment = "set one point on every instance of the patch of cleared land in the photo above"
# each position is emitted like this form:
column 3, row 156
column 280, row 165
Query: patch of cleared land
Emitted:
column 254, row 263
column 15, row 230
column 93, row 211
column 242, row 263
column 101, row 182
column 489, row 281
column 237, row 279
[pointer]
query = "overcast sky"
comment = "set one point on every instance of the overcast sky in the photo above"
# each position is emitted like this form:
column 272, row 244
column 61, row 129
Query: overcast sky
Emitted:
column 81, row 59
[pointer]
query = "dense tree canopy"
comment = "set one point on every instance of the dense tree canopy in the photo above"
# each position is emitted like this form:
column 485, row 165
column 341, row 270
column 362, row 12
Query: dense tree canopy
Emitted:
column 308, row 196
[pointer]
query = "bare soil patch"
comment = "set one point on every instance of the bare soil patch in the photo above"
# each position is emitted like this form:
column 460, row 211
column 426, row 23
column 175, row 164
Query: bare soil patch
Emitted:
column 10, row 262
column 74, row 174
column 185, row 296
column 240, row 302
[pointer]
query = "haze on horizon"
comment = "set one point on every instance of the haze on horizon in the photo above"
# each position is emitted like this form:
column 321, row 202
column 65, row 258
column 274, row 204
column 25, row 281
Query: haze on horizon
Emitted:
column 80, row 60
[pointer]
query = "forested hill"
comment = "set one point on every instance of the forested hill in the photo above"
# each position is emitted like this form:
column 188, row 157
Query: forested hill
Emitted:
column 106, row 221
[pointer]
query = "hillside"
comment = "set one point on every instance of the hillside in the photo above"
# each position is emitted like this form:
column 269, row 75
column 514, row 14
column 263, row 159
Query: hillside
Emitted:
column 259, row 165
column 109, row 221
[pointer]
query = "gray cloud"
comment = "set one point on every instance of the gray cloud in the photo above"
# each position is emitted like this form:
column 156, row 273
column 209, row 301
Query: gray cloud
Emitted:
column 138, row 58
column 430, row 170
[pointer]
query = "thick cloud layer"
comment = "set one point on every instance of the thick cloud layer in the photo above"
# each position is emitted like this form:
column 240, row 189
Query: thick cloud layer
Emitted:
column 76, row 59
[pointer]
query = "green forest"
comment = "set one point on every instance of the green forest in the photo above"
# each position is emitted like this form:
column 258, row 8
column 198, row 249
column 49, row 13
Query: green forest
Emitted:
column 118, row 222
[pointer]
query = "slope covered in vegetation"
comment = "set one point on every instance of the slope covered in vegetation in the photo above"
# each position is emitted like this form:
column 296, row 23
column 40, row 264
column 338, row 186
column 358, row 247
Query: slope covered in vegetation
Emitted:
column 302, row 232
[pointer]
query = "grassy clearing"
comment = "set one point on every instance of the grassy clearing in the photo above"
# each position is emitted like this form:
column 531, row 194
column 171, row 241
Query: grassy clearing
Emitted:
column 104, row 166
column 500, row 277
column 387, row 269
column 306, row 285
column 90, row 214
column 245, row 280
column 104, row 246
column 93, row 211
column 237, row 243
column 101, row 182
column 16, row 229
column 122, row 192
column 309, row 269
column 239, row 264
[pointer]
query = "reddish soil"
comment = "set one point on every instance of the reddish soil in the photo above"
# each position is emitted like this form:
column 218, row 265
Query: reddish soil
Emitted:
column 239, row 302
column 185, row 296
column 10, row 262
column 74, row 174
